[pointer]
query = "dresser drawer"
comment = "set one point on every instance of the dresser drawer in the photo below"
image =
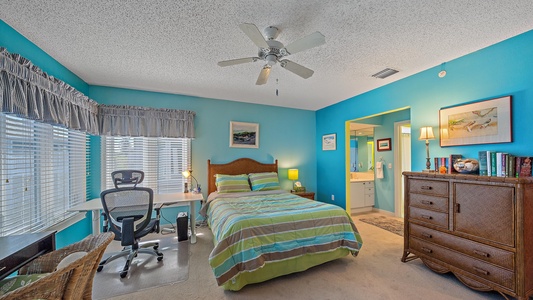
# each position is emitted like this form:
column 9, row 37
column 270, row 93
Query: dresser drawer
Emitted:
column 429, row 187
column 477, row 250
column 428, row 216
column 481, row 269
column 429, row 202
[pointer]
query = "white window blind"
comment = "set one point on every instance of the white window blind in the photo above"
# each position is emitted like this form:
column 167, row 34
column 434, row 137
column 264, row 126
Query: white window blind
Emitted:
column 43, row 171
column 161, row 159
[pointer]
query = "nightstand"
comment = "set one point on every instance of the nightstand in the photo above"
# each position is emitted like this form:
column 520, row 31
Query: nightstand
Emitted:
column 308, row 195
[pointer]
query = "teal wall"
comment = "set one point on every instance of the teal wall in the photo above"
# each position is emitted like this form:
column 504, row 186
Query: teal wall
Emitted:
column 502, row 69
column 294, row 136
column 384, row 188
column 284, row 134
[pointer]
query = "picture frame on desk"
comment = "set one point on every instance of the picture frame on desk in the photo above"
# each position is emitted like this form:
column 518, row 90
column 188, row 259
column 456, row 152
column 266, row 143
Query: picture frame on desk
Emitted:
column 483, row 122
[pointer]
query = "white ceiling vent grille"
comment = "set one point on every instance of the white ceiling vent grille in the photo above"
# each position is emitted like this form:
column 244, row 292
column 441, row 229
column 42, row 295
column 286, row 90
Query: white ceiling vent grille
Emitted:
column 385, row 73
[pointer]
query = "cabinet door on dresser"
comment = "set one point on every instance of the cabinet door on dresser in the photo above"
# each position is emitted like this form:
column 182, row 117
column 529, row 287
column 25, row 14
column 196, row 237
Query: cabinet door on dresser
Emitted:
column 485, row 211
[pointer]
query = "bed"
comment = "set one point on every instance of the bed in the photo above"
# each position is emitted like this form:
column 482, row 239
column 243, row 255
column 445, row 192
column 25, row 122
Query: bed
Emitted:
column 266, row 233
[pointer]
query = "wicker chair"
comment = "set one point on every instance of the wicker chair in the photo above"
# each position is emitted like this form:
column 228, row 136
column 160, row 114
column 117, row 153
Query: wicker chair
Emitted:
column 75, row 281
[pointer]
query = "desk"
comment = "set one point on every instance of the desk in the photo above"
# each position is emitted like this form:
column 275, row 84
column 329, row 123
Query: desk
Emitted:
column 18, row 250
column 160, row 200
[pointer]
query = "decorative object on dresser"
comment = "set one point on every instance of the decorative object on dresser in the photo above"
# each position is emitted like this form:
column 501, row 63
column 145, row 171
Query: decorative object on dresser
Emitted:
column 426, row 133
column 308, row 195
column 478, row 227
column 483, row 122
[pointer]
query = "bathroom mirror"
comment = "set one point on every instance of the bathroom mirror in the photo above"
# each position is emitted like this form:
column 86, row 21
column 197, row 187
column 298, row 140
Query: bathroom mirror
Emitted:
column 362, row 150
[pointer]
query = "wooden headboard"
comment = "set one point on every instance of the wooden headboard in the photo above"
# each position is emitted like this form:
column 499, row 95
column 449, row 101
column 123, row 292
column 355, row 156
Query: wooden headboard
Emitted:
column 236, row 167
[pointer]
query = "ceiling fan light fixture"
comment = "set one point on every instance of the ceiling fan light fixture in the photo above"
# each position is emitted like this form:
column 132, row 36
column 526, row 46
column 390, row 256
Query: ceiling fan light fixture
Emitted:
column 385, row 73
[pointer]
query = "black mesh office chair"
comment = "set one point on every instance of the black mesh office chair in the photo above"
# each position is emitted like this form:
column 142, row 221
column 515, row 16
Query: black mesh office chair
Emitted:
column 128, row 213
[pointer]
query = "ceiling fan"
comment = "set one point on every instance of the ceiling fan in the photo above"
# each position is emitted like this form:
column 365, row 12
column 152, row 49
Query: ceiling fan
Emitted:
column 272, row 51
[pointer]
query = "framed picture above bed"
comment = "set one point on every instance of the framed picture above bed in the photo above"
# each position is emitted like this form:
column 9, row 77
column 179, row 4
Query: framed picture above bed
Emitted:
column 243, row 135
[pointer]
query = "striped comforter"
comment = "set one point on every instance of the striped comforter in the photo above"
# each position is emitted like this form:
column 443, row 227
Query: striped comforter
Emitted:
column 251, row 229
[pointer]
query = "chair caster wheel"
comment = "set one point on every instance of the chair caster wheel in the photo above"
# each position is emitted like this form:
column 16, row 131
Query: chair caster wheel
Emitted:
column 99, row 268
column 159, row 258
column 123, row 274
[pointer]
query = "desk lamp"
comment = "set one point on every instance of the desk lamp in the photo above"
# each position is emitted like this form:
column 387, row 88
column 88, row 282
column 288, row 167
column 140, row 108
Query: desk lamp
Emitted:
column 187, row 174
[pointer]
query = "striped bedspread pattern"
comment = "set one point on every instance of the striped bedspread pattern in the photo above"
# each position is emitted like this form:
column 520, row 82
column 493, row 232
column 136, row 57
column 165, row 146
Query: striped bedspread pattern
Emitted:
column 251, row 231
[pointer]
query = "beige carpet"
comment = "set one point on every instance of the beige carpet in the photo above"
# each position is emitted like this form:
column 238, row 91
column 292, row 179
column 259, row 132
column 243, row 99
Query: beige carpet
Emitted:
column 376, row 273
column 145, row 271
column 388, row 223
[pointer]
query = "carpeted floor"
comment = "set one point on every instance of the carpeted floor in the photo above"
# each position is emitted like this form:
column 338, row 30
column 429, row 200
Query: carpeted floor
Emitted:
column 376, row 273
column 145, row 271
column 390, row 224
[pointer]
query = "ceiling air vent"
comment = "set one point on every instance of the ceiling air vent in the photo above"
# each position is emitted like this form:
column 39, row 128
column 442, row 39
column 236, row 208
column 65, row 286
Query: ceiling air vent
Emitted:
column 385, row 73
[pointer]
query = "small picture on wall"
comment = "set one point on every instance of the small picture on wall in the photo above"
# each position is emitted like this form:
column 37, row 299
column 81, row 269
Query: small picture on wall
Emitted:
column 329, row 142
column 384, row 144
column 243, row 135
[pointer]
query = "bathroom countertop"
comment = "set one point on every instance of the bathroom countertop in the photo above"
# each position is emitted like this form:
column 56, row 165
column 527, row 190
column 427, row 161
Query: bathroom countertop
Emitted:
column 361, row 179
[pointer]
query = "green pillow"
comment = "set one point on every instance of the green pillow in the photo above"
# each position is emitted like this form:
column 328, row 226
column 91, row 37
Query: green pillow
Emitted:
column 232, row 183
column 12, row 283
column 265, row 181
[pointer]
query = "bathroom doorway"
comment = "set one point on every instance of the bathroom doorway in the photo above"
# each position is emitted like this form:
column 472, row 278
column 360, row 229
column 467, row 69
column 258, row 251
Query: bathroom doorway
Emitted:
column 402, row 162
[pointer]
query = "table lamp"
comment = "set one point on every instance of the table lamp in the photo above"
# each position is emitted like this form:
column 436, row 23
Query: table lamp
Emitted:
column 293, row 175
column 426, row 133
column 187, row 174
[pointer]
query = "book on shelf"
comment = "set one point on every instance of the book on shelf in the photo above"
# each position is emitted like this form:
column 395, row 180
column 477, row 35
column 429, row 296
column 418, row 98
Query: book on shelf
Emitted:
column 524, row 166
column 493, row 169
column 451, row 161
column 482, row 159
column 440, row 162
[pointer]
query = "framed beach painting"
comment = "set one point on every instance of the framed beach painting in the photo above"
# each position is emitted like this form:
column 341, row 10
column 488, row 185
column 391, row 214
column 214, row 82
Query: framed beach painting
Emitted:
column 384, row 144
column 329, row 142
column 243, row 135
column 484, row 122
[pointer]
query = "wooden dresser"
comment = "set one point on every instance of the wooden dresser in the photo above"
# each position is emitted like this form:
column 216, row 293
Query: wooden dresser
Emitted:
column 478, row 227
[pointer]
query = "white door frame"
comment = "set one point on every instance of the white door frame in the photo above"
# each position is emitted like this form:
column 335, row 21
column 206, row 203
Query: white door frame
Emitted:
column 398, row 186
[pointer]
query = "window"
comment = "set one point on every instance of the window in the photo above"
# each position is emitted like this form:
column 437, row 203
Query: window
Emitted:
column 161, row 159
column 42, row 173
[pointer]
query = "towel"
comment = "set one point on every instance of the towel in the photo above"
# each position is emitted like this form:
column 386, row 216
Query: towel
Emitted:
column 379, row 170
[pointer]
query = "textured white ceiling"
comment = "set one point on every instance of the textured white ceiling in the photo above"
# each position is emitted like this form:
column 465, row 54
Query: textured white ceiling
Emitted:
column 174, row 46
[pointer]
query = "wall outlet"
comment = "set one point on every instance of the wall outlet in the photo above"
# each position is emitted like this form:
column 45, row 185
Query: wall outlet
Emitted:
column 332, row 197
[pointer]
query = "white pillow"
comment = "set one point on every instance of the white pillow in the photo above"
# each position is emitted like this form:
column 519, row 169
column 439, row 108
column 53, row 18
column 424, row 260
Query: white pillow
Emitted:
column 72, row 257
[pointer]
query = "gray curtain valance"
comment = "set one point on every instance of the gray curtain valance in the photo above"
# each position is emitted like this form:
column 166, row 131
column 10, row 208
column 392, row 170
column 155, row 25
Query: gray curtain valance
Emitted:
column 148, row 122
column 28, row 92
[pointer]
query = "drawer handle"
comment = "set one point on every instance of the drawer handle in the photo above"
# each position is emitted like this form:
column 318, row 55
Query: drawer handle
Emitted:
column 479, row 270
column 426, row 235
column 427, row 250
column 427, row 217
column 480, row 253
column 426, row 187
column 427, row 202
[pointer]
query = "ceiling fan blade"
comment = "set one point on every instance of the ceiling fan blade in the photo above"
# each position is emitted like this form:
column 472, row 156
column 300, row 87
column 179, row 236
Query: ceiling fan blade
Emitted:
column 237, row 61
column 263, row 76
column 296, row 68
column 254, row 34
column 307, row 42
